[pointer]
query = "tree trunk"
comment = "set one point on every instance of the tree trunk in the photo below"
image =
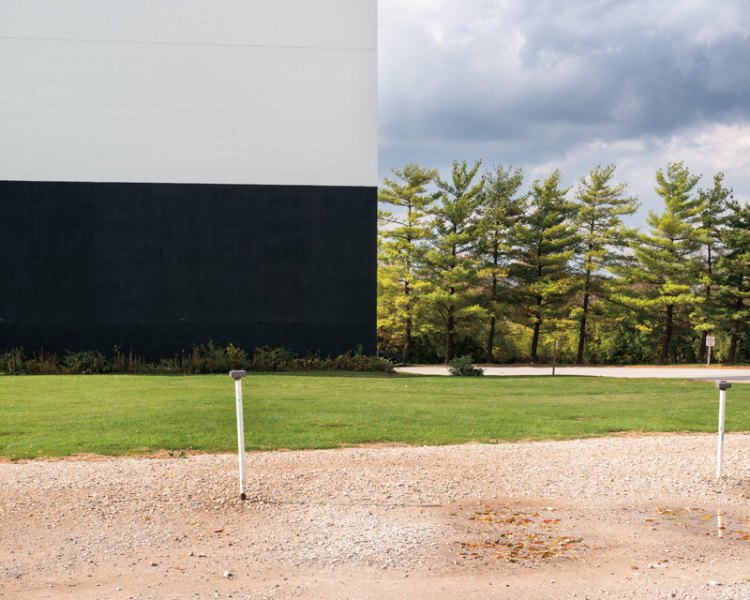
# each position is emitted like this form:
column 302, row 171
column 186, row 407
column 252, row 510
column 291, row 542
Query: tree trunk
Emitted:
column 735, row 335
column 582, row 331
column 667, row 337
column 407, row 341
column 535, row 341
column 584, row 315
column 493, row 297
column 537, row 328
column 450, row 325
column 702, row 352
column 491, row 341
column 733, row 343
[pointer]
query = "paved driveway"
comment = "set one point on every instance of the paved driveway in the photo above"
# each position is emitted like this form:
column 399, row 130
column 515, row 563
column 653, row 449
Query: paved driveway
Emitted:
column 735, row 374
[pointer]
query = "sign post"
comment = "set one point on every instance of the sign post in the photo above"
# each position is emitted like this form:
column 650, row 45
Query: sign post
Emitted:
column 723, row 387
column 237, row 376
column 710, row 343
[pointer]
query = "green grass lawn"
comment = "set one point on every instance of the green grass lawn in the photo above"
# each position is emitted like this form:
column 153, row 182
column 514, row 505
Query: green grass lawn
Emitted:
column 118, row 414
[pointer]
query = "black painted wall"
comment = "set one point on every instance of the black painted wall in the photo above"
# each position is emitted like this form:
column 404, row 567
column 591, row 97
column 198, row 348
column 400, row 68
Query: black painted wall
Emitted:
column 157, row 268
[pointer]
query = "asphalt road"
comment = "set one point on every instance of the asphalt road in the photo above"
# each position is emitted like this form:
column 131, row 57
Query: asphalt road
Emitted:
column 733, row 374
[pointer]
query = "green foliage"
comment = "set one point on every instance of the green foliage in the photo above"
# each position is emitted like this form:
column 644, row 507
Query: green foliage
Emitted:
column 733, row 275
column 273, row 359
column 666, row 264
column 713, row 219
column 208, row 358
column 400, row 255
column 499, row 210
column 600, row 206
column 462, row 366
column 236, row 357
column 451, row 265
column 86, row 363
column 205, row 358
column 482, row 268
column 12, row 361
column 280, row 359
column 545, row 241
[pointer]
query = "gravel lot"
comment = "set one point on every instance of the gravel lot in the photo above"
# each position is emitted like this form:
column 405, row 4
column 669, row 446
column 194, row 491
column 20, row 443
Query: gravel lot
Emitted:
column 385, row 522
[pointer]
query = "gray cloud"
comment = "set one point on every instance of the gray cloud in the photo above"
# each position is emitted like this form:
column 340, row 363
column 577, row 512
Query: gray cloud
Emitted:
column 545, row 80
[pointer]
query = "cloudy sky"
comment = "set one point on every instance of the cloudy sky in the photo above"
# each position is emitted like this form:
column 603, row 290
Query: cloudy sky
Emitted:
column 568, row 84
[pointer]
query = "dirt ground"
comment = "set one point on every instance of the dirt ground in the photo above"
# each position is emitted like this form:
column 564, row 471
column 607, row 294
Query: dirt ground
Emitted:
column 619, row 517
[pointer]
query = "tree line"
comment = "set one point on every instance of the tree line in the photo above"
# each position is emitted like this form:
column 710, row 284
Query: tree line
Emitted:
column 477, row 264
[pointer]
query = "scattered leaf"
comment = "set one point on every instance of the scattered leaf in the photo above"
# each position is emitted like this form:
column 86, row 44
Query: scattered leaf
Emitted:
column 519, row 536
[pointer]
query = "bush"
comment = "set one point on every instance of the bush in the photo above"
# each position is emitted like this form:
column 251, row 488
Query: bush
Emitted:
column 11, row 362
column 88, row 362
column 205, row 358
column 462, row 366
column 357, row 361
column 236, row 357
column 281, row 359
column 273, row 359
column 43, row 364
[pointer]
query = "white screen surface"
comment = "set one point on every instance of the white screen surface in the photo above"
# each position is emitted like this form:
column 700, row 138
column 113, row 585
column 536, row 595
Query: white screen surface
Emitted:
column 228, row 91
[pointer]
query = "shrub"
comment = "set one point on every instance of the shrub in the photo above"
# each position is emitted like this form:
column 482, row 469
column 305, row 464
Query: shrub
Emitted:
column 44, row 364
column 236, row 357
column 462, row 366
column 87, row 362
column 359, row 362
column 11, row 362
column 273, row 359
column 205, row 358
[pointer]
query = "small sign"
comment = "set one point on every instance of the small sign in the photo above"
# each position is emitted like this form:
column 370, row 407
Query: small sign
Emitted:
column 710, row 341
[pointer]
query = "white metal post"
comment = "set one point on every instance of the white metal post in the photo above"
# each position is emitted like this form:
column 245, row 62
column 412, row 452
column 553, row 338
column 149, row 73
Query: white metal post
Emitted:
column 723, row 387
column 237, row 376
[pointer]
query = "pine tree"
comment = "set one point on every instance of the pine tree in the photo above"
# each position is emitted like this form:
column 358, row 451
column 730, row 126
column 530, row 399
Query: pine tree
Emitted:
column 500, row 210
column 544, row 242
column 666, row 259
column 400, row 251
column 713, row 218
column 600, row 204
column 733, row 272
column 450, row 262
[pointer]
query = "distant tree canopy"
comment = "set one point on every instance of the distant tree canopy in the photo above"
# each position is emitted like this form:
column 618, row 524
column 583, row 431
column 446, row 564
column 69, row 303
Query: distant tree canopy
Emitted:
column 473, row 264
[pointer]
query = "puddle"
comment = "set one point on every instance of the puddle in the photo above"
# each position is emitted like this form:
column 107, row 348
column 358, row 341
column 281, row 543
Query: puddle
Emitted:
column 703, row 522
column 518, row 535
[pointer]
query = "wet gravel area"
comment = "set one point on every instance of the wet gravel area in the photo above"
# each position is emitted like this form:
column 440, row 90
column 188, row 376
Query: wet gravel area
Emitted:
column 633, row 514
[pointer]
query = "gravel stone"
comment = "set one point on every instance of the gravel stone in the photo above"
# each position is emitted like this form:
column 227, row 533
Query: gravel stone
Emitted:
column 375, row 522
